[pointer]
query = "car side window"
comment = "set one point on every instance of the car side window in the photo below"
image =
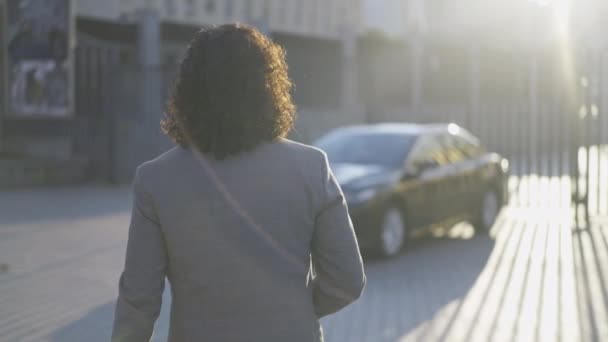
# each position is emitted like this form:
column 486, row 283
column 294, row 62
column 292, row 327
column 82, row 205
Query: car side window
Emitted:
column 453, row 148
column 429, row 151
column 470, row 148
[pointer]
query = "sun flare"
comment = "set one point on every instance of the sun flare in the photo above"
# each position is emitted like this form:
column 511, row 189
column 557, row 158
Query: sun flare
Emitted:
column 561, row 14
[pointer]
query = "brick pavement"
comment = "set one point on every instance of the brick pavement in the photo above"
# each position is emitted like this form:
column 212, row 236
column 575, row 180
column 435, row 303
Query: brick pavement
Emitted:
column 534, row 278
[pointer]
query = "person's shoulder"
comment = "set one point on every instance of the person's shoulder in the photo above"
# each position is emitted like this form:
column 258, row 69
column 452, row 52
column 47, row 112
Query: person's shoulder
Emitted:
column 304, row 159
column 301, row 150
column 161, row 163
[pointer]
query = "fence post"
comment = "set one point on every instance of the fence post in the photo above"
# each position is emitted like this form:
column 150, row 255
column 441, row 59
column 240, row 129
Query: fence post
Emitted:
column 150, row 102
column 416, row 68
column 3, row 71
column 474, row 83
column 603, row 112
column 349, row 80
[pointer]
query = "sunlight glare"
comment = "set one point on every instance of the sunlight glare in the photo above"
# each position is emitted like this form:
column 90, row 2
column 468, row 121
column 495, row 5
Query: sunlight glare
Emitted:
column 561, row 14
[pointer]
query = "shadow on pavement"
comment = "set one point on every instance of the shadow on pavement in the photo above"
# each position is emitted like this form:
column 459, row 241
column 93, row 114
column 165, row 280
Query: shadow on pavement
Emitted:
column 404, row 292
column 66, row 203
column 96, row 325
column 591, row 257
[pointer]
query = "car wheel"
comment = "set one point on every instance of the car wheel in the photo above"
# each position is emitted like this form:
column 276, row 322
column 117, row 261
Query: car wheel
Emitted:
column 488, row 211
column 392, row 233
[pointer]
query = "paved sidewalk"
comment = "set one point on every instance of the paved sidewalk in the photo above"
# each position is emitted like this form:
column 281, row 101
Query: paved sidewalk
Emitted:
column 534, row 278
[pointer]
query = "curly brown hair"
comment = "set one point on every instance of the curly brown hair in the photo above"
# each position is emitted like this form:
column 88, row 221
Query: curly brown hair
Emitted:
column 232, row 92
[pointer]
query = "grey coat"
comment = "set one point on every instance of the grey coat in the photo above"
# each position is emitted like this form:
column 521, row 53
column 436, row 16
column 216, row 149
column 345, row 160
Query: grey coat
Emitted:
column 257, row 247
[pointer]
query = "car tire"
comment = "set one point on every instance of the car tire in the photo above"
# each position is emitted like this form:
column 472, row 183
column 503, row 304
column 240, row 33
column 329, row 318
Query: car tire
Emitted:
column 392, row 233
column 487, row 212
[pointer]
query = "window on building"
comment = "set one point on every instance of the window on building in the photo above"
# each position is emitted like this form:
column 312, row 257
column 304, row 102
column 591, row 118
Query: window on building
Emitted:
column 312, row 12
column 343, row 17
column 210, row 6
column 190, row 8
column 299, row 13
column 266, row 11
column 327, row 14
column 282, row 12
column 170, row 7
column 229, row 9
column 248, row 10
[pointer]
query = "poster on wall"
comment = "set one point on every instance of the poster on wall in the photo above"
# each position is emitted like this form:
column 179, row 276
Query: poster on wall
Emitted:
column 38, row 58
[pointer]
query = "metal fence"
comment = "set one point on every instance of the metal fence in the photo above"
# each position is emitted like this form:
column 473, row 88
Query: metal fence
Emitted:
column 558, row 157
column 97, row 66
column 558, row 154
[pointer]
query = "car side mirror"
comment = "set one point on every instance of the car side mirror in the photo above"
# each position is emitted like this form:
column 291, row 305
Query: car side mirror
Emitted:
column 419, row 167
column 416, row 169
column 410, row 172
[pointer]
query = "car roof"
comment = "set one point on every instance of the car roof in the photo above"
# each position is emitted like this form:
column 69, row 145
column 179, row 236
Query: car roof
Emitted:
column 400, row 128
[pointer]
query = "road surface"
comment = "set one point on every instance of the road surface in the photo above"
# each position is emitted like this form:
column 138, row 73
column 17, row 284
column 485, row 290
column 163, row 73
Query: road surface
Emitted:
column 533, row 278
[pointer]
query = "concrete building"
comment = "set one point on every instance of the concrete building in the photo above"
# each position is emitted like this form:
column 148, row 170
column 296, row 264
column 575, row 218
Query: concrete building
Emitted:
column 470, row 51
column 510, row 71
column 327, row 19
column 126, row 54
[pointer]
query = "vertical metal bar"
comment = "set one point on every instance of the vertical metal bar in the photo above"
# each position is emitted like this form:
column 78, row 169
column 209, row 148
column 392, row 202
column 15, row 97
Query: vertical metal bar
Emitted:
column 92, row 117
column 573, row 157
column 514, row 111
column 103, row 114
column 526, row 151
column 502, row 131
column 86, row 81
column 561, row 150
column 98, row 82
column 542, row 157
column 587, row 139
column 533, row 74
column 549, row 140
column 555, row 152
column 565, row 144
column 582, row 142
column 80, row 74
column 521, row 150
column 549, row 145
column 480, row 123
column 564, row 138
column 71, row 53
column 497, row 125
column 539, row 158
column 508, row 133
column 81, row 98
column 598, row 132
column 590, row 131
column 114, row 63
column 555, row 176
column 602, row 186
column 588, row 121
column 3, row 69
column 574, row 153
column 529, row 156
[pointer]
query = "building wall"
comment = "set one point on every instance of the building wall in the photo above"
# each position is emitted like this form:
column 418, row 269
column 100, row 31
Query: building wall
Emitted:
column 317, row 66
column 387, row 16
column 313, row 18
